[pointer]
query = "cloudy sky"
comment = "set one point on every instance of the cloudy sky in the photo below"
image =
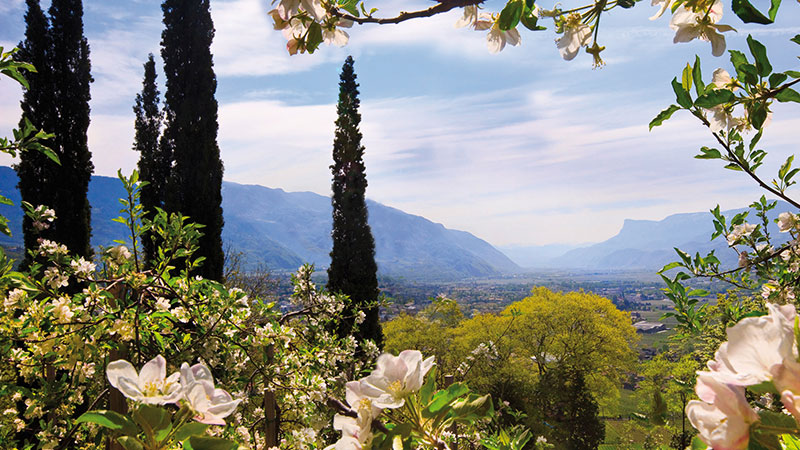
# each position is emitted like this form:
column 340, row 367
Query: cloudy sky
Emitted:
column 517, row 148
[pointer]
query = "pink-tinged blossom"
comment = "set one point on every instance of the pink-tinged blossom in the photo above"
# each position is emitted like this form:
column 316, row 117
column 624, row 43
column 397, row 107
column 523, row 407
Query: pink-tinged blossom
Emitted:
column 757, row 348
column 211, row 405
column 690, row 25
column 722, row 416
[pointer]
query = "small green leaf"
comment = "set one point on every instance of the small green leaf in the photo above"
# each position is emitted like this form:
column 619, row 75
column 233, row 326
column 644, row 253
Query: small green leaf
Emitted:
column 709, row 153
column 776, row 79
column 788, row 95
column 681, row 94
column 697, row 444
column 714, row 98
column 686, row 77
column 190, row 429
column 760, row 54
column 664, row 115
column 749, row 14
column 314, row 37
column 130, row 443
column 697, row 76
column 758, row 114
column 209, row 443
column 510, row 15
column 110, row 419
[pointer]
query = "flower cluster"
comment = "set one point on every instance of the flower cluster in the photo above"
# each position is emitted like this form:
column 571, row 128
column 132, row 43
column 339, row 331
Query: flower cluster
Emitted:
column 388, row 386
column 759, row 350
column 497, row 38
column 192, row 385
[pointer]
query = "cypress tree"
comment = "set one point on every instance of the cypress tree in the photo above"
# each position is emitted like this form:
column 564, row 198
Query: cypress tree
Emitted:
column 58, row 102
column 154, row 163
column 190, row 135
column 37, row 106
column 353, row 270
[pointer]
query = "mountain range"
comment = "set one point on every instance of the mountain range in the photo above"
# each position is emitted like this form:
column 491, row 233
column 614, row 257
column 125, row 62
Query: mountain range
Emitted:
column 282, row 230
column 645, row 245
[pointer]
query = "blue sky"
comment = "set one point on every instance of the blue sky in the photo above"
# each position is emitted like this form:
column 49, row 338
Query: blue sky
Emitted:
column 518, row 148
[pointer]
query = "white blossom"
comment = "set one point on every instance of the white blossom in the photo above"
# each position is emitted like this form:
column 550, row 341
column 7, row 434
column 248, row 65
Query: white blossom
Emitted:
column 689, row 25
column 151, row 385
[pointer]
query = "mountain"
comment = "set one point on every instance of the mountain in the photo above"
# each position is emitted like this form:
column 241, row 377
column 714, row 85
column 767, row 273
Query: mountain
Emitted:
column 283, row 230
column 648, row 244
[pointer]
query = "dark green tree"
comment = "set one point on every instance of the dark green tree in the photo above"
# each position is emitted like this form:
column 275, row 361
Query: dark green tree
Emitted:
column 39, row 107
column 353, row 270
column 155, row 163
column 58, row 102
column 563, row 401
column 190, row 134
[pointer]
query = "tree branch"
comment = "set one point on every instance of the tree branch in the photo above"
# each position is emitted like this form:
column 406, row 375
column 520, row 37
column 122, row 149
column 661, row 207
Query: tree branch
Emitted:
column 441, row 7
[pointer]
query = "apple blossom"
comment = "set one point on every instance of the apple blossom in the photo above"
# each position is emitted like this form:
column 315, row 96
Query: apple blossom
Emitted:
column 497, row 38
column 722, row 416
column 689, row 25
column 665, row 4
column 576, row 35
column 740, row 231
column 210, row 404
column 756, row 348
column 395, row 378
column 150, row 386
column 787, row 221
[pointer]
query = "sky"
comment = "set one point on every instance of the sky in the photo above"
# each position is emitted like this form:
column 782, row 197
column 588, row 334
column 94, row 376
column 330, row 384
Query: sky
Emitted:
column 518, row 148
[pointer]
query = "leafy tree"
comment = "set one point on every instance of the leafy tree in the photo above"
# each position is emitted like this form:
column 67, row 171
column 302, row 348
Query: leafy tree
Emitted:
column 565, row 403
column 579, row 330
column 190, row 135
column 353, row 270
column 57, row 100
column 154, row 163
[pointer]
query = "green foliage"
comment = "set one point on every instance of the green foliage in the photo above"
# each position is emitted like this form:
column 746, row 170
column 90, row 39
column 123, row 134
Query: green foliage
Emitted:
column 353, row 270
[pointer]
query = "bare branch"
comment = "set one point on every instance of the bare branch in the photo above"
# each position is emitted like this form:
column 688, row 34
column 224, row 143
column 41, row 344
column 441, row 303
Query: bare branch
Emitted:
column 441, row 7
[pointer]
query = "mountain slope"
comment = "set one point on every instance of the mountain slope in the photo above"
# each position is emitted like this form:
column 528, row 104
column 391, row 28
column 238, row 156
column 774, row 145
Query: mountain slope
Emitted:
column 285, row 229
column 648, row 244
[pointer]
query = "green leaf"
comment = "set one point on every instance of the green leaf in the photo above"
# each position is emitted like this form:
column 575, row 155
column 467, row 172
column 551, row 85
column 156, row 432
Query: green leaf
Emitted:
column 686, row 77
column 790, row 442
column 130, row 443
column 510, row 15
column 697, row 444
column 314, row 37
column 154, row 417
column 749, row 14
column 681, row 94
column 760, row 54
column 777, row 420
column 110, row 419
column 445, row 396
column 714, row 98
column 776, row 79
column 664, row 115
column 426, row 392
column 697, row 76
column 758, row 114
column 709, row 153
column 190, row 429
column 209, row 443
column 788, row 95
column 670, row 266
column 530, row 21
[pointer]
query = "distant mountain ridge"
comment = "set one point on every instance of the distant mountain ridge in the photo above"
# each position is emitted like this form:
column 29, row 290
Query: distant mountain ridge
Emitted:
column 286, row 229
column 648, row 244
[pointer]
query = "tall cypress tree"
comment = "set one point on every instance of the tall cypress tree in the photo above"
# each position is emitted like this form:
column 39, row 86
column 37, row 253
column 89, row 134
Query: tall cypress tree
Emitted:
column 154, row 162
column 353, row 270
column 37, row 106
column 58, row 102
column 190, row 135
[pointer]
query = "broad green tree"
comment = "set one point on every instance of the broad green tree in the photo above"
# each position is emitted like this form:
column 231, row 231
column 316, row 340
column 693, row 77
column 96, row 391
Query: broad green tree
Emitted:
column 190, row 133
column 353, row 270
column 154, row 163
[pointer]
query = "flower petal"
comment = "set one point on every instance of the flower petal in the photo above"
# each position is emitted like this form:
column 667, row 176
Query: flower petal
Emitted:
column 120, row 369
